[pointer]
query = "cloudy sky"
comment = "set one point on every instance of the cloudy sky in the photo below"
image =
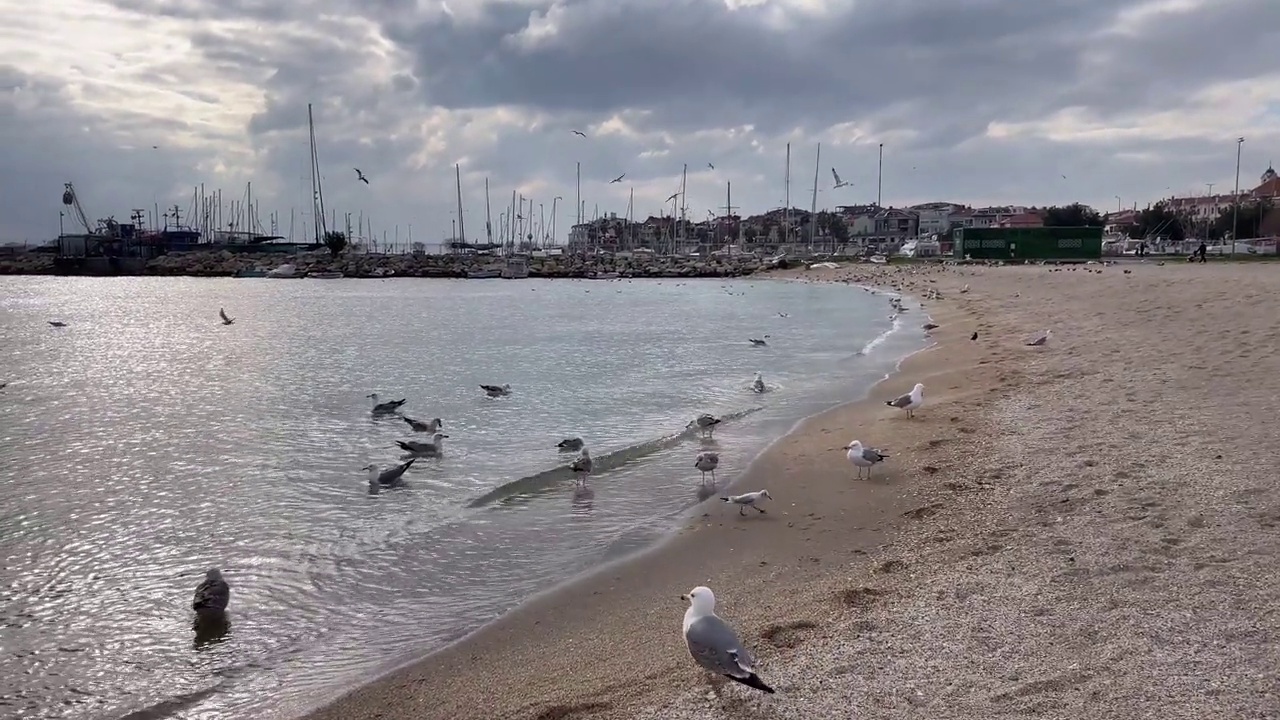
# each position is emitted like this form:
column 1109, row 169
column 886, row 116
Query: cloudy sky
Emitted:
column 976, row 101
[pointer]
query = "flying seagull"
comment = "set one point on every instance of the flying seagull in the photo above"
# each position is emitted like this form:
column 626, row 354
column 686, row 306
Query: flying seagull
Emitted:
column 617, row 179
column 579, row 133
column 212, row 595
column 714, row 645
column 387, row 477
column 383, row 408
column 360, row 176
column 225, row 320
column 839, row 183
column 713, row 167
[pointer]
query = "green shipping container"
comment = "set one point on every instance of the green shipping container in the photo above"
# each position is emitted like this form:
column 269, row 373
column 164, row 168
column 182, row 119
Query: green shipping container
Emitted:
column 1033, row 243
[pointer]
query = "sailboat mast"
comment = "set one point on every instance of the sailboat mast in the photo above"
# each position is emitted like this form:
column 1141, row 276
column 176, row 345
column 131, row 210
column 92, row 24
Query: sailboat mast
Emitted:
column 813, row 212
column 488, row 216
column 578, row 183
column 248, row 194
column 684, row 200
column 631, row 209
column 786, row 211
column 462, row 230
column 317, row 188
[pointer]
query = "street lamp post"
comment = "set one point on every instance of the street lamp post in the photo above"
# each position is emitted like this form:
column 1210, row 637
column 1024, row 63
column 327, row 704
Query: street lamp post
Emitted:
column 1235, row 212
column 1118, row 209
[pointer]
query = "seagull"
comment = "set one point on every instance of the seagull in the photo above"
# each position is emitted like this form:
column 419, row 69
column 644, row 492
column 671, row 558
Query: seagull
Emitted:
column 496, row 390
column 225, row 320
column 57, row 323
column 964, row 289
column 360, row 176
column 386, row 478
column 713, row 167
column 783, row 315
column 757, row 385
column 863, row 457
column 758, row 342
column 570, row 444
column 714, row 645
column 930, row 326
column 582, row 465
column 418, row 426
column 417, row 447
column 579, row 133
column 839, row 183
column 748, row 500
column 706, row 423
column 384, row 408
column 617, row 179
column 909, row 402
column 212, row 595
column 1042, row 340
column 707, row 462
column 673, row 196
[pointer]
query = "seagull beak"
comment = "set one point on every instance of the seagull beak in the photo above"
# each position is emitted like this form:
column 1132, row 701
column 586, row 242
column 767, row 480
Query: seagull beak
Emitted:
column 684, row 597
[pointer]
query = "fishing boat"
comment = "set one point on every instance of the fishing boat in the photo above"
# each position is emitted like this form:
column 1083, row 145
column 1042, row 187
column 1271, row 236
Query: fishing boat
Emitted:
column 328, row 275
column 517, row 269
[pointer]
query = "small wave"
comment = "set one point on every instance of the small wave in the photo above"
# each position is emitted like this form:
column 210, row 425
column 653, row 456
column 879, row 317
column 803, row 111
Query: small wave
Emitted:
column 879, row 340
column 172, row 706
column 548, row 479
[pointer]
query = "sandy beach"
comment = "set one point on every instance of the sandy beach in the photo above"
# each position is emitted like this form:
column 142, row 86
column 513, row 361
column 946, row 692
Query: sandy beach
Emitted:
column 1088, row 526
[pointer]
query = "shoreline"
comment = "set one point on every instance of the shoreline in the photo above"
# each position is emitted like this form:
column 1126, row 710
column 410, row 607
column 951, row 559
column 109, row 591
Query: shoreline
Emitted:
column 456, row 681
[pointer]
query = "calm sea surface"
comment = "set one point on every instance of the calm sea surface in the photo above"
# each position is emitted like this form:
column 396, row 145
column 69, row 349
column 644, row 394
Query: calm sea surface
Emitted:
column 145, row 442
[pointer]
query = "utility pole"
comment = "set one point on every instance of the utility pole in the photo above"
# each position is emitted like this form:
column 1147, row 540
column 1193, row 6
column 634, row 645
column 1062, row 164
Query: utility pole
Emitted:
column 880, row 177
column 1235, row 212
column 728, row 210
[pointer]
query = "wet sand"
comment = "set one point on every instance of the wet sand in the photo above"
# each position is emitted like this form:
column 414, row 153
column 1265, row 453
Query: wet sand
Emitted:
column 1088, row 526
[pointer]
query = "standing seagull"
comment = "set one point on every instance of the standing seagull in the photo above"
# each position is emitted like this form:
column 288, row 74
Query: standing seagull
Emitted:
column 212, row 595
column 360, row 176
column 705, row 423
column 839, row 183
column 910, row 401
column 1042, row 340
column 225, row 320
column 707, row 462
column 617, row 179
column 582, row 466
column 714, row 645
column 748, row 500
column 863, row 457
column 385, row 408
column 496, row 390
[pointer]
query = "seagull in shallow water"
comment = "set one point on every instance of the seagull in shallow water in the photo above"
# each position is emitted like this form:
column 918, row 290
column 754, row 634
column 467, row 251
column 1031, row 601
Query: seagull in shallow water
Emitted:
column 417, row 447
column 582, row 466
column 758, row 342
column 496, row 390
column 212, row 595
column 418, row 426
column 389, row 477
column 863, row 457
column 707, row 462
column 360, row 176
column 748, row 500
column 714, row 645
column 757, row 385
column 909, row 402
column 570, row 444
column 384, row 408
column 225, row 320
column 706, row 423
column 1042, row 340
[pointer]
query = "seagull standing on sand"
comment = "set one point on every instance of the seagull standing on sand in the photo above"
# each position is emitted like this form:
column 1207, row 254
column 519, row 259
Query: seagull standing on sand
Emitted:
column 212, row 595
column 570, row 444
column 418, row 426
column 582, row 466
column 496, row 390
column 386, row 478
column 1042, row 340
column 385, row 408
column 714, row 645
column 705, row 423
column 757, row 385
column 360, row 176
column 707, row 462
column 225, row 320
column 909, row 402
column 748, row 500
column 863, row 457
column 416, row 447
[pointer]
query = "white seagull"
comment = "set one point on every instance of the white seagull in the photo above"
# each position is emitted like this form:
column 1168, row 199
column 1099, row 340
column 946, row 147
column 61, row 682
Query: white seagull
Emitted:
column 909, row 402
column 863, row 457
column 839, row 183
column 384, row 408
column 707, row 462
column 714, row 645
column 748, row 500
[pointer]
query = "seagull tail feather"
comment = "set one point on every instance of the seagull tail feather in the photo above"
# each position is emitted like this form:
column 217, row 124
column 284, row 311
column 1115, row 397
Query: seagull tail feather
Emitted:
column 726, row 500
column 754, row 681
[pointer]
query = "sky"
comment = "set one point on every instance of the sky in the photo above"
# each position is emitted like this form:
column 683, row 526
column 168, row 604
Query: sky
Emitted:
column 1028, row 102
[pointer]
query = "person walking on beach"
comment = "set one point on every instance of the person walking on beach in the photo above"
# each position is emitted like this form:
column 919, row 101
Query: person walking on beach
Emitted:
column 1202, row 251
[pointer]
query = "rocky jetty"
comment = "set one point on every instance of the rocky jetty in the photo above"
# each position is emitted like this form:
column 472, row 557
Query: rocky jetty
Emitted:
column 227, row 264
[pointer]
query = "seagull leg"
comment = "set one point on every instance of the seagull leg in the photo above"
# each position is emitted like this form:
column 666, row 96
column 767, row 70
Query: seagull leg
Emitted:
column 742, row 511
column 713, row 476
column 759, row 509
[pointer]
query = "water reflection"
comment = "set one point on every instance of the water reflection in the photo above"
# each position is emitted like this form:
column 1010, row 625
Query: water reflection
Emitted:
column 211, row 627
column 583, row 500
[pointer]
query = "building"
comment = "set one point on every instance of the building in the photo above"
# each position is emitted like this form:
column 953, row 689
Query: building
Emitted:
column 1022, row 220
column 935, row 218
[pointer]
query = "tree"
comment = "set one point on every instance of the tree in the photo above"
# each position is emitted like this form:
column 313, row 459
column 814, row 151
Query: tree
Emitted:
column 336, row 241
column 1158, row 220
column 1073, row 215
column 833, row 226
column 749, row 234
column 1249, row 221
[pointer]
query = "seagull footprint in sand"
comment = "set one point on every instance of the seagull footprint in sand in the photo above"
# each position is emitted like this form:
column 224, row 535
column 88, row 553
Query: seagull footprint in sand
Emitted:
column 714, row 645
